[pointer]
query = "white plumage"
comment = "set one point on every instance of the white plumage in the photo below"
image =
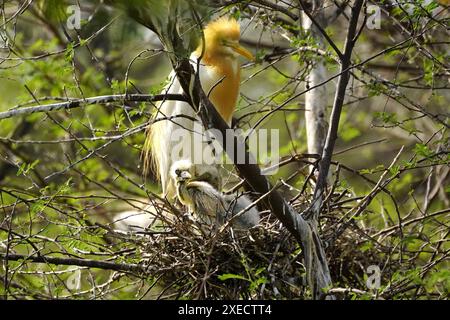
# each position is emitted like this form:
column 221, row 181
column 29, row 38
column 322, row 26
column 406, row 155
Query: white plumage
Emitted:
column 169, row 136
column 174, row 127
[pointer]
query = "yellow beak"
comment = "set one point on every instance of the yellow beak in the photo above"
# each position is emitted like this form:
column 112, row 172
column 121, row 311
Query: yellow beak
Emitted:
column 242, row 51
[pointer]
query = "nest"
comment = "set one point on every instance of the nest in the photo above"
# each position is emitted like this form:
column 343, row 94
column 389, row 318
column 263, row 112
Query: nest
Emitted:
column 188, row 260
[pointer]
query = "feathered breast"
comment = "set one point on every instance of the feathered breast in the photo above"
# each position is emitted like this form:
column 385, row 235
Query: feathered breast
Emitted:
column 222, row 84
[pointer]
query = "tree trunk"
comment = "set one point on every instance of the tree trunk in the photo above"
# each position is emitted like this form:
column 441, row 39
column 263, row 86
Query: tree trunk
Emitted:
column 316, row 133
column 316, row 99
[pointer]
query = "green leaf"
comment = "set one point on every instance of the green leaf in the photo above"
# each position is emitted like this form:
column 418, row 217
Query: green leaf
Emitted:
column 21, row 169
column 394, row 170
column 69, row 52
column 428, row 68
column 422, row 150
column 387, row 117
column 227, row 276
column 366, row 246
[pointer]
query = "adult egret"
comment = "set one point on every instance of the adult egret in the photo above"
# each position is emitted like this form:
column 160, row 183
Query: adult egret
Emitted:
column 174, row 123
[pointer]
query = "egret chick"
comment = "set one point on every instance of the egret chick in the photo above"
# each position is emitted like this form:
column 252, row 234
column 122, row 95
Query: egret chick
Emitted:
column 209, row 205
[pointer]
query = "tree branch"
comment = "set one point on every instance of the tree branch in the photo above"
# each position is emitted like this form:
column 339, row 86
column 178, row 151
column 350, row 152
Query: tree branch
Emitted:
column 320, row 28
column 75, row 262
column 325, row 162
column 89, row 101
column 316, row 99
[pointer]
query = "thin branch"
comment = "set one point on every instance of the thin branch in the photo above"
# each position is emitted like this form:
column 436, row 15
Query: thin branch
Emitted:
column 93, row 100
column 324, row 165
column 322, row 30
column 74, row 262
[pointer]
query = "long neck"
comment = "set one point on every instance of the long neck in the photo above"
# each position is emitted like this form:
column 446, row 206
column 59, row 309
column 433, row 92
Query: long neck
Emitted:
column 225, row 81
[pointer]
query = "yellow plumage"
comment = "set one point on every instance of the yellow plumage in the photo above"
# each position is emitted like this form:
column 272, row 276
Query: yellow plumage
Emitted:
column 220, row 78
column 221, row 58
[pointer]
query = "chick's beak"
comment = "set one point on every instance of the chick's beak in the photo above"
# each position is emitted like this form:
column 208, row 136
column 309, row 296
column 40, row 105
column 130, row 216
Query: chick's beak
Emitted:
column 184, row 175
column 242, row 51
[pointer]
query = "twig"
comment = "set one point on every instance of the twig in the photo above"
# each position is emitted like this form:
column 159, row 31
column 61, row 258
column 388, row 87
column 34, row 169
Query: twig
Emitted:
column 74, row 262
column 324, row 165
column 93, row 100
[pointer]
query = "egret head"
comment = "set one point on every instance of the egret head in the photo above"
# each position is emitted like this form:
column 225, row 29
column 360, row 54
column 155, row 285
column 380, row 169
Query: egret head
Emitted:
column 184, row 170
column 181, row 170
column 222, row 39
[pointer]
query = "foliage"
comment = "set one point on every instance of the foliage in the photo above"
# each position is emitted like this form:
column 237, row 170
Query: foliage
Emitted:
column 67, row 175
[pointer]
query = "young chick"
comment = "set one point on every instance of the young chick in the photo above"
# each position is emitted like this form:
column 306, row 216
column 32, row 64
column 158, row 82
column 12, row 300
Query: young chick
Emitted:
column 206, row 202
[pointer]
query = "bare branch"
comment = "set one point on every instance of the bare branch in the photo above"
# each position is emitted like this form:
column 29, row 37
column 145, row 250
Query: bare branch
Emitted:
column 324, row 165
column 74, row 262
column 90, row 101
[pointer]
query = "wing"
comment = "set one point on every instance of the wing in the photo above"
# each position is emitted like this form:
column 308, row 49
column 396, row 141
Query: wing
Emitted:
column 247, row 219
column 160, row 143
column 171, row 138
column 206, row 200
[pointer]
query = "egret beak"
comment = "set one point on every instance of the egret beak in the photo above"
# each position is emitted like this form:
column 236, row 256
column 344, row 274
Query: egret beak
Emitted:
column 185, row 175
column 242, row 51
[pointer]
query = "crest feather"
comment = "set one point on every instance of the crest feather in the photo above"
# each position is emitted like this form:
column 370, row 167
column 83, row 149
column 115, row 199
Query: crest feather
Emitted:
column 223, row 27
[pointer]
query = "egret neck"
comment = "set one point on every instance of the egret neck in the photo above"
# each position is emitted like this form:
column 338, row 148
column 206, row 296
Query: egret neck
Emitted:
column 220, row 72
